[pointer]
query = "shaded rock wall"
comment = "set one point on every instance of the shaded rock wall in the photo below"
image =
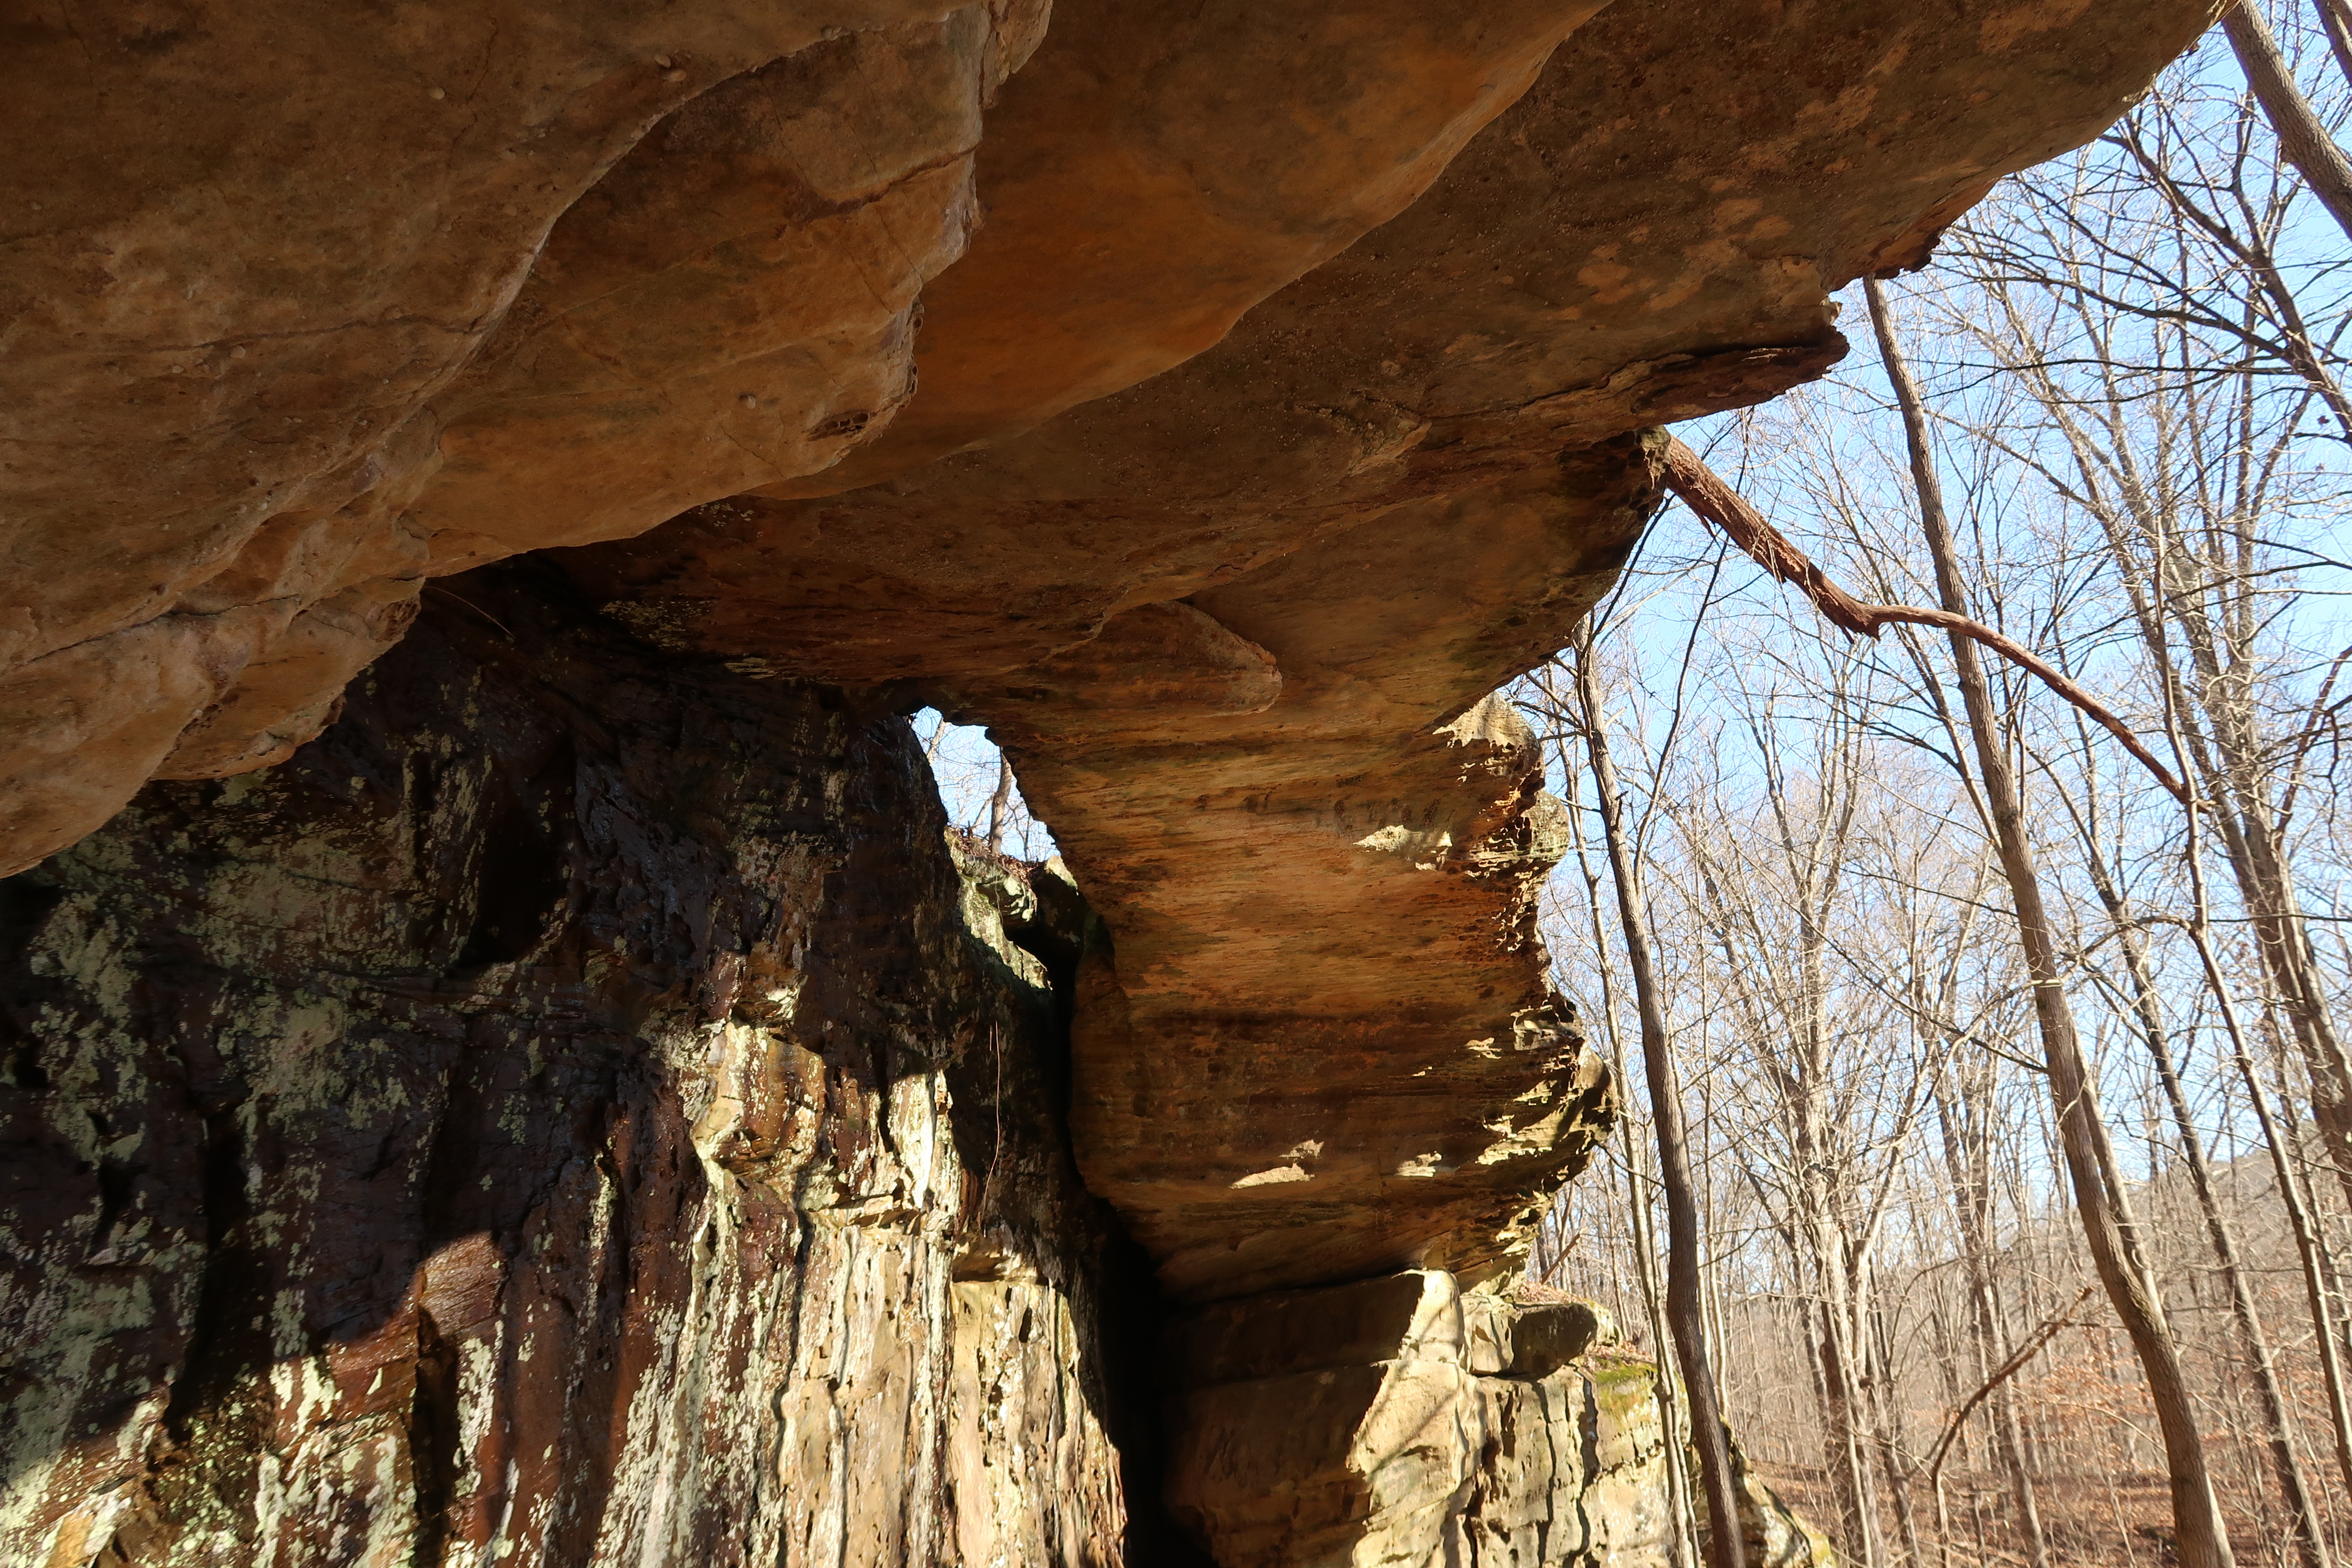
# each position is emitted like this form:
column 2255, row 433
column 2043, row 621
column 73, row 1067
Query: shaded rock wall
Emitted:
column 571, row 1112
column 581, row 1109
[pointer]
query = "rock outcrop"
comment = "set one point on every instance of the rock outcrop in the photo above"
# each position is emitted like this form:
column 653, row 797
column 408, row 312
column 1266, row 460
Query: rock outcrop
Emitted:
column 1402, row 1420
column 1325, row 1046
column 555, row 1104
column 560, row 1117
column 301, row 308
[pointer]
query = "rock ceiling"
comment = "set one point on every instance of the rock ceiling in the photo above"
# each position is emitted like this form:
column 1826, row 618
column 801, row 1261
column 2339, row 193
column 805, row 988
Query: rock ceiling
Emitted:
column 1218, row 402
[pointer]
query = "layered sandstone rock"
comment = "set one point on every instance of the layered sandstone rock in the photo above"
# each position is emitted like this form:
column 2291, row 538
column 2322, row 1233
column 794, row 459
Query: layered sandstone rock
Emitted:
column 561, row 1117
column 1401, row 1421
column 546, row 1113
column 300, row 308
column 1321, row 1045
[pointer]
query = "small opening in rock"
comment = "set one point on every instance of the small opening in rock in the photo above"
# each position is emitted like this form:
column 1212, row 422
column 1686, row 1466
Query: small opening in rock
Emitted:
column 977, row 787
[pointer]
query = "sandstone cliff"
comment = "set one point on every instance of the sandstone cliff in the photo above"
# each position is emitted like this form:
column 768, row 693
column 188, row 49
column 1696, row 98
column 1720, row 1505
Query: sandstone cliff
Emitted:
column 568, row 1105
column 566, row 1114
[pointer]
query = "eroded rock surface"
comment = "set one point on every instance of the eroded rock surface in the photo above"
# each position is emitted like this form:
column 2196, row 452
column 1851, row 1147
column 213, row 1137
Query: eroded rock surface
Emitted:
column 544, row 1115
column 1404, row 1421
column 1321, row 1045
column 299, row 310
column 570, row 1113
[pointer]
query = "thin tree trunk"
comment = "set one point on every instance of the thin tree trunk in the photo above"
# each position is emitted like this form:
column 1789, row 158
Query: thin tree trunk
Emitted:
column 2107, row 1225
column 2290, row 1188
column 1972, row 1191
column 1681, row 1537
column 2335, row 16
column 2311, row 1539
column 1844, row 1434
column 1684, row 1310
column 1000, row 804
column 2249, row 831
column 2302, row 138
column 1886, row 1418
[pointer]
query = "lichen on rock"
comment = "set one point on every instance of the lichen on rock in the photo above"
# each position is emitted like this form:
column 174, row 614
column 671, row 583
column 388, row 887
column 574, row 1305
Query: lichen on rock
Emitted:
column 576, row 1103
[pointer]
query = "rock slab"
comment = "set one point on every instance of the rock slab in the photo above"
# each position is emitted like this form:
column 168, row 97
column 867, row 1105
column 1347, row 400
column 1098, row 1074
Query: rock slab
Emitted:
column 1406, row 1423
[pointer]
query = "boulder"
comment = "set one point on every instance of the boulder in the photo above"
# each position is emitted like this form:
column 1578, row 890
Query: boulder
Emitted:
column 1404, row 1421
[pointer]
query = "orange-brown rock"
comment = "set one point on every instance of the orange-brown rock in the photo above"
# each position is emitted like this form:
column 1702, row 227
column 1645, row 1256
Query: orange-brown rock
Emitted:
column 1324, row 1045
column 301, row 308
column 1221, row 402
column 1159, row 171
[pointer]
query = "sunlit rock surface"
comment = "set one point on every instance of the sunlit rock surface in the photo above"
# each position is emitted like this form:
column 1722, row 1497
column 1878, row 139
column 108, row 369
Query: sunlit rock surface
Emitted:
column 1402, row 1420
column 1321, row 1043
column 302, row 309
column 419, row 1146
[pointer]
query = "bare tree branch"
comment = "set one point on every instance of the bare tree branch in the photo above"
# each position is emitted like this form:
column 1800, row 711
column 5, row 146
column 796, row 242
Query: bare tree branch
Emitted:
column 1706, row 493
column 2007, row 1370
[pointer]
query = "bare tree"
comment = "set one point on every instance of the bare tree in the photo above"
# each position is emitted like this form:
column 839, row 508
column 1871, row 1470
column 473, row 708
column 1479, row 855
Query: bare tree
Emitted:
column 1686, row 1312
column 2099, row 1191
column 2302, row 138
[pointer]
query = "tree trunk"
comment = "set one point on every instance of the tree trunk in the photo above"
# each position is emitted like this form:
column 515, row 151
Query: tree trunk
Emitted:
column 2335, row 16
column 2240, row 802
column 2311, row 1539
column 1681, row 1533
column 2302, row 138
column 1971, row 1194
column 2290, row 1194
column 999, row 801
column 1684, row 1310
column 2108, row 1224
column 1886, row 1419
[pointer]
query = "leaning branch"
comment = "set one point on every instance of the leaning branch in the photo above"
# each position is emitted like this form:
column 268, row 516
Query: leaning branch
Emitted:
column 2041, row 1336
column 1706, row 493
column 2301, row 134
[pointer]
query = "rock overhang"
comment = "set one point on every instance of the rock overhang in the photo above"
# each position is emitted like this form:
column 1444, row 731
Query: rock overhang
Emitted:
column 1289, row 396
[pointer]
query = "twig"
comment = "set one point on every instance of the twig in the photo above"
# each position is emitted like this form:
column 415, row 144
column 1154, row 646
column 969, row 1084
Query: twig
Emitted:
column 2026, row 1353
column 1706, row 493
column 437, row 588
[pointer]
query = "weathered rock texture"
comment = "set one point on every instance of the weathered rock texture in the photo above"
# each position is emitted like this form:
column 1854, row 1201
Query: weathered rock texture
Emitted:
column 1402, row 1421
column 307, row 307
column 560, row 1117
column 539, row 1116
column 1324, row 1047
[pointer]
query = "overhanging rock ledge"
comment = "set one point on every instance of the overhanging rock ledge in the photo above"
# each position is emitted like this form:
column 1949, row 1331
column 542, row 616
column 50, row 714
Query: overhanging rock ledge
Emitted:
column 501, row 1063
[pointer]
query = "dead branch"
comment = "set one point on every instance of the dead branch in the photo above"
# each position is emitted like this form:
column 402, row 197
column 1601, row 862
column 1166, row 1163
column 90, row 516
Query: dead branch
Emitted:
column 2008, row 1369
column 1704, row 492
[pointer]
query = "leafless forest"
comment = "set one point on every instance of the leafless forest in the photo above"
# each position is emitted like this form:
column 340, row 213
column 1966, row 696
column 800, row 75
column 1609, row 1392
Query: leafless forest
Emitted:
column 2013, row 1093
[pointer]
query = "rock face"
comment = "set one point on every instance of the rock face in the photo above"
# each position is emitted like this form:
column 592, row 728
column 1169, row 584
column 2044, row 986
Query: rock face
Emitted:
column 1400, row 1420
column 311, row 308
column 1352, row 1425
column 1322, row 1046
column 560, row 1117
column 570, row 1107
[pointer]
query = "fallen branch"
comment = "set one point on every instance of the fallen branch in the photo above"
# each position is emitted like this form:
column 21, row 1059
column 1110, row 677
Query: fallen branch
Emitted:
column 1706, row 493
column 2041, row 1336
